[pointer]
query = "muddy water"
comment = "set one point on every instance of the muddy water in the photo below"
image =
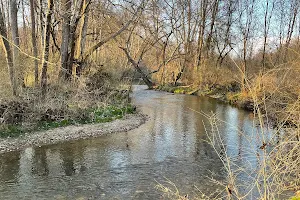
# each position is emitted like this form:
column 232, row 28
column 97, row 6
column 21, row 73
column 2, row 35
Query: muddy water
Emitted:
column 171, row 145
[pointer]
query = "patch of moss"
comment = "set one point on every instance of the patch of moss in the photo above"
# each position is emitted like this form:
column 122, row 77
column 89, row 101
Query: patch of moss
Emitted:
column 295, row 198
column 176, row 89
column 179, row 91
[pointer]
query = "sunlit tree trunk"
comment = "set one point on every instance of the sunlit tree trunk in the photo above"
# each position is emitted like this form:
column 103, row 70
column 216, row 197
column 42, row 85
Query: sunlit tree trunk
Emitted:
column 80, row 45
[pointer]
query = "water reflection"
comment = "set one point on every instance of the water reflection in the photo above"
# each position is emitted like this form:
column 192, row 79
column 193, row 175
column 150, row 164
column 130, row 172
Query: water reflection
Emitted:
column 172, row 144
column 40, row 164
column 9, row 167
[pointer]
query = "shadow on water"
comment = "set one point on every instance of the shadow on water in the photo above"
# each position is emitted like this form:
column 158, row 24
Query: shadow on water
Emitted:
column 171, row 144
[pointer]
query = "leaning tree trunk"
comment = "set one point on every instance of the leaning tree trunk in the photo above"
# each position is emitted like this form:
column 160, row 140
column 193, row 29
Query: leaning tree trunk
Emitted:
column 46, row 48
column 9, row 57
column 145, row 78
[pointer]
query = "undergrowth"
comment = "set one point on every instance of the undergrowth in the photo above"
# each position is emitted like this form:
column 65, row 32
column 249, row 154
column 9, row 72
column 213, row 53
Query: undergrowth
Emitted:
column 97, row 115
column 97, row 98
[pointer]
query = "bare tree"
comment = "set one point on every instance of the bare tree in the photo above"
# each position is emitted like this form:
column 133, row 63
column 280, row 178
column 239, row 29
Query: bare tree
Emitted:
column 223, row 35
column 214, row 13
column 15, row 37
column 294, row 6
column 201, row 31
column 33, row 40
column 245, row 24
column 8, row 51
column 24, row 28
column 84, row 56
column 64, row 49
column 80, row 44
column 46, row 48
column 267, row 19
column 3, row 11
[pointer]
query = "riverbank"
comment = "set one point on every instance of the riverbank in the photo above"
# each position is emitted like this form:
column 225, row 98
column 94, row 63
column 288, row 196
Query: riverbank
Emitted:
column 230, row 95
column 72, row 132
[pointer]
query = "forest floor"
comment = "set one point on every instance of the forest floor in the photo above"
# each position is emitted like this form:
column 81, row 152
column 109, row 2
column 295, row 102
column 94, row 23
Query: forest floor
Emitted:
column 72, row 132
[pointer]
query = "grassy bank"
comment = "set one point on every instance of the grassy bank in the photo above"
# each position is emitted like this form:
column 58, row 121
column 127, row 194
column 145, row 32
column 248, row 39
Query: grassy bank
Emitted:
column 228, row 94
column 278, row 108
column 97, row 98
column 86, row 116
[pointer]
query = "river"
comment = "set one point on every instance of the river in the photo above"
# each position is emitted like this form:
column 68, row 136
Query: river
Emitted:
column 171, row 146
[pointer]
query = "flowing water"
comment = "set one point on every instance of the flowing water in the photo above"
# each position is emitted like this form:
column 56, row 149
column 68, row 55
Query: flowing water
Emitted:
column 171, row 146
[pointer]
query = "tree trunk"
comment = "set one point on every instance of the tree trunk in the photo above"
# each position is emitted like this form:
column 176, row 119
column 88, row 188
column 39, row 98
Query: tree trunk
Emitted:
column 148, row 82
column 66, row 4
column 16, row 40
column 81, row 38
column 3, row 12
column 9, row 57
column 99, row 44
column 41, row 24
column 71, row 54
column 34, row 44
column 215, row 9
column 202, row 27
column 8, row 16
column 46, row 49
column 24, row 25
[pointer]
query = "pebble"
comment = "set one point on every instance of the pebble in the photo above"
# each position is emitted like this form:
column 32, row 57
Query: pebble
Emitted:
column 68, row 133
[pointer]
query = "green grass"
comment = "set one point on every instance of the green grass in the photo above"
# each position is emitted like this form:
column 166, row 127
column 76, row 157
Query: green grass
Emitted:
column 295, row 198
column 11, row 130
column 179, row 91
column 175, row 89
column 95, row 115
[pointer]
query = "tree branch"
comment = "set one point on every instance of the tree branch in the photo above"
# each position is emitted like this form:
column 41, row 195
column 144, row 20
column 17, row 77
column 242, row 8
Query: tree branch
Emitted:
column 107, row 39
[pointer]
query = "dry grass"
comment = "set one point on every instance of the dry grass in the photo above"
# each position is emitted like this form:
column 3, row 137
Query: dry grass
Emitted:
column 65, row 102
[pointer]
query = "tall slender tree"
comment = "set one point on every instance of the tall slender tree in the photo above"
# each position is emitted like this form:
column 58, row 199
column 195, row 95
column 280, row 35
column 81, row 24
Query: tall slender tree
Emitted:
column 8, row 52
column 64, row 49
column 16, row 39
column 33, row 41
column 46, row 48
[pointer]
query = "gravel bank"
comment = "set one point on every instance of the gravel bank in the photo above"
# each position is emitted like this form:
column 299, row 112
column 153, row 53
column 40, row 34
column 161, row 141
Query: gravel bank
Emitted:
column 68, row 133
